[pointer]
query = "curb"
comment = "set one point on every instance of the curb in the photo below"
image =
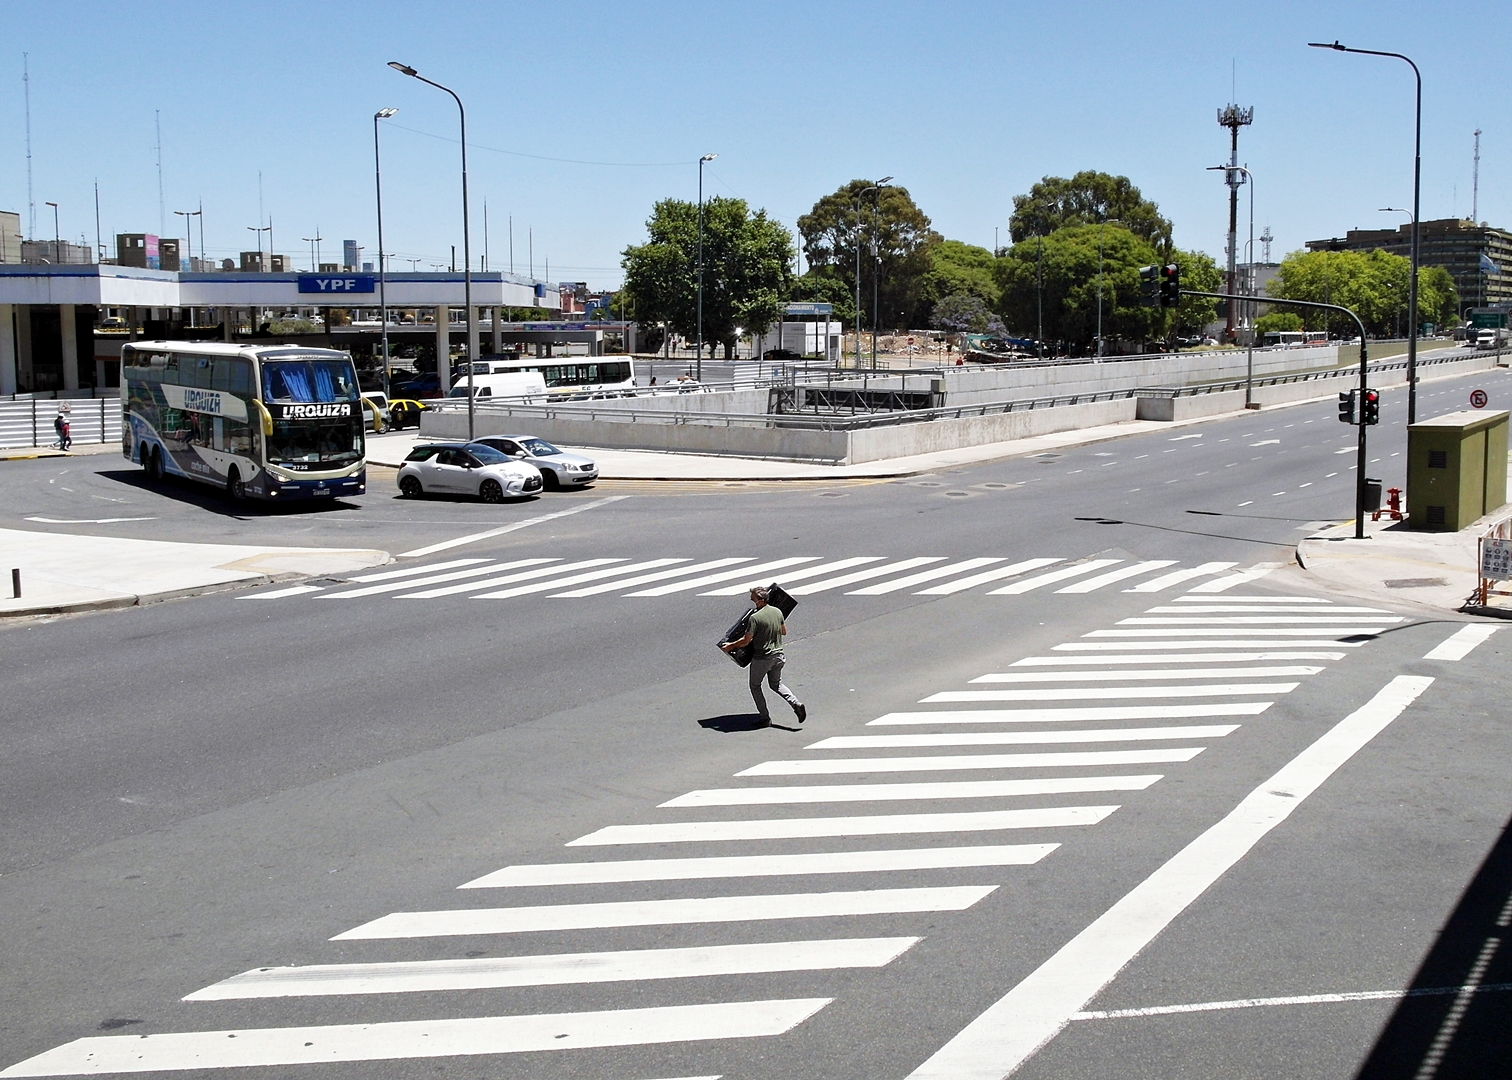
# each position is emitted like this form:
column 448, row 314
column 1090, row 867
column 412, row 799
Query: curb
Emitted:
column 143, row 599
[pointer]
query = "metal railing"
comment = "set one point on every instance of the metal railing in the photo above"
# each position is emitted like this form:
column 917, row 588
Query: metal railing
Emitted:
column 1350, row 372
column 27, row 419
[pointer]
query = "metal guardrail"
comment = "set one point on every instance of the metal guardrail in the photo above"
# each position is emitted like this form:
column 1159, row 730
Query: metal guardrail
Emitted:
column 27, row 419
column 1347, row 372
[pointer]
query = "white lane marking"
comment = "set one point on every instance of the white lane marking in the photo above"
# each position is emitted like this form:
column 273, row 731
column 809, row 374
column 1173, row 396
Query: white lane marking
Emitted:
column 995, row 574
column 926, row 575
column 1158, row 673
column 1116, row 575
column 864, row 575
column 1062, row 574
column 411, row 571
column 1174, row 658
column 292, row 590
column 743, row 866
column 85, row 521
column 1249, row 632
column 1255, row 620
column 1346, row 450
column 693, row 832
column 1190, row 599
column 1023, row 738
column 557, row 969
column 436, row 579
column 1295, row 999
column 419, row 1038
column 1176, row 577
column 1229, row 581
column 944, row 763
column 1458, row 644
column 958, row 789
column 1104, row 693
column 712, row 909
column 1254, row 609
column 646, row 579
column 576, row 579
column 556, row 567
column 1078, row 715
column 745, row 573
column 1229, row 643
column 1180, row 438
column 1266, row 442
column 446, row 545
column 1010, row 1031
column 740, row 588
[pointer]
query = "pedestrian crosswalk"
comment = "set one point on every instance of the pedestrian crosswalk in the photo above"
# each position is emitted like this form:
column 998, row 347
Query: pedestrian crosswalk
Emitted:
column 802, row 575
column 1076, row 729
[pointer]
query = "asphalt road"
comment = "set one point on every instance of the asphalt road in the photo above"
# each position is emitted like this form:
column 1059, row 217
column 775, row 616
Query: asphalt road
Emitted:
column 203, row 788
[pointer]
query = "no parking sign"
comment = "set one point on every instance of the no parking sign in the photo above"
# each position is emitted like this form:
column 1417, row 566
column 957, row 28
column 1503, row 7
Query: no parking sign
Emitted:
column 1478, row 399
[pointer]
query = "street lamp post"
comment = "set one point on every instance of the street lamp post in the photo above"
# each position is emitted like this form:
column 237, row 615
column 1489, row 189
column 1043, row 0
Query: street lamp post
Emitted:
column 57, row 238
column 698, row 267
column 1417, row 185
column 1249, row 308
column 1409, row 213
column 1101, row 226
column 876, row 263
column 382, row 114
column 314, row 242
column 445, row 362
column 189, row 230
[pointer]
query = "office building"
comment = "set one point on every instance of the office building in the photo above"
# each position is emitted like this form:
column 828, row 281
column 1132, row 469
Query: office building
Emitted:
column 1477, row 256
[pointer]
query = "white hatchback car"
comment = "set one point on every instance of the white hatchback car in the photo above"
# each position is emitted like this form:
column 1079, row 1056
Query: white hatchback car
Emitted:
column 558, row 468
column 466, row 469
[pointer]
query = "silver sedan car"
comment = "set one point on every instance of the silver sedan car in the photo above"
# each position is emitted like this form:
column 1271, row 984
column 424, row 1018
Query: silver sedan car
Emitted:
column 558, row 468
column 466, row 469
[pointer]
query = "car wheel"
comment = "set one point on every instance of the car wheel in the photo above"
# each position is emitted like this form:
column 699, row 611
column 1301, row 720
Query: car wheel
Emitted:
column 491, row 491
column 549, row 480
column 234, row 486
column 410, row 488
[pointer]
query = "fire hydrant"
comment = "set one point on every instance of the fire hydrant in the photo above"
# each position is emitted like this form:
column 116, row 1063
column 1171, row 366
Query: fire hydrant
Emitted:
column 1393, row 506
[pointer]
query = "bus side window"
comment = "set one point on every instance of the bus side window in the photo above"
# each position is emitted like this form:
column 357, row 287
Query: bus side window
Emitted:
column 170, row 369
column 241, row 377
column 220, row 377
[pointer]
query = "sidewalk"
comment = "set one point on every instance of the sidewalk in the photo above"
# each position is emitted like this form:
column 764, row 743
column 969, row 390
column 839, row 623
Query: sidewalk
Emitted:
column 63, row 573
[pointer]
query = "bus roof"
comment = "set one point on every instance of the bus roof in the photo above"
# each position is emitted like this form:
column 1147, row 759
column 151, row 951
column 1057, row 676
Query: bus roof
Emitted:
column 231, row 348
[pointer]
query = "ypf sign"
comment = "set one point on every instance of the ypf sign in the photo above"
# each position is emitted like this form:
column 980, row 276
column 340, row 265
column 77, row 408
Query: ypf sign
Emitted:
column 336, row 284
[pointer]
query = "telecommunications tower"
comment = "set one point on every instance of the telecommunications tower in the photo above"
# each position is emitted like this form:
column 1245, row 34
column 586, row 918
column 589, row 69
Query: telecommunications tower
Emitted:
column 1233, row 117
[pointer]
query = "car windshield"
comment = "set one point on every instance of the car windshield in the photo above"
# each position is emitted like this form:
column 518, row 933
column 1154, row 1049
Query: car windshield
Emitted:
column 539, row 447
column 308, row 380
column 487, row 454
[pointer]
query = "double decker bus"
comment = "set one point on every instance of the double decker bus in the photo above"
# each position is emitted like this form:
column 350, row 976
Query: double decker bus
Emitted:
column 565, row 376
column 268, row 421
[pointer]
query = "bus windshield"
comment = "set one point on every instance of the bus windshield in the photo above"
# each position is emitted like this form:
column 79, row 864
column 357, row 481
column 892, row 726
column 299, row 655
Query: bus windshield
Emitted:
column 312, row 380
column 334, row 440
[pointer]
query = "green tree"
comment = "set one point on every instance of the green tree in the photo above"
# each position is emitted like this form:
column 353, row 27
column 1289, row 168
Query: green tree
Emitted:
column 1199, row 272
column 1062, row 271
column 1274, row 321
column 1085, row 199
column 747, row 269
column 1372, row 284
column 886, row 223
column 961, row 313
column 957, row 269
column 824, row 286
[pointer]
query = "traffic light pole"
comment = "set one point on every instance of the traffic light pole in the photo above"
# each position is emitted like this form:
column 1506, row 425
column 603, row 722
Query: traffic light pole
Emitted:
column 1359, row 420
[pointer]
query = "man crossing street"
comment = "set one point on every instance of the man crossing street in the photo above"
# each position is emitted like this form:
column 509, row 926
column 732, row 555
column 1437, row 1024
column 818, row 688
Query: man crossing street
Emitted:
column 767, row 628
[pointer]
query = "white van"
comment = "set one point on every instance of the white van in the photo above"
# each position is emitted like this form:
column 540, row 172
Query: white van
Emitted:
column 524, row 386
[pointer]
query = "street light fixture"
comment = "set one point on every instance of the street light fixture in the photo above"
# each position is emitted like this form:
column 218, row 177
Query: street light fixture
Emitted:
column 189, row 230
column 445, row 362
column 1409, row 213
column 1249, row 312
column 1101, row 226
column 1417, row 184
column 382, row 114
column 57, row 239
column 698, row 268
column 314, row 242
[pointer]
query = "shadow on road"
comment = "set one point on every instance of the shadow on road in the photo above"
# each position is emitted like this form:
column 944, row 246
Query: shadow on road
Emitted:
column 733, row 722
column 213, row 500
column 1456, row 1022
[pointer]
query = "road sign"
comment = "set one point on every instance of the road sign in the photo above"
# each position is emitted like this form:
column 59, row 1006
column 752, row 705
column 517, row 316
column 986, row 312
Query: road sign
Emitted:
column 1478, row 398
column 1496, row 559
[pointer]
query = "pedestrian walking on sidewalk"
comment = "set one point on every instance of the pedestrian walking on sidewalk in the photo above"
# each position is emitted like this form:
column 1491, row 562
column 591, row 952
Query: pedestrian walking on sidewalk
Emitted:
column 767, row 628
column 61, row 426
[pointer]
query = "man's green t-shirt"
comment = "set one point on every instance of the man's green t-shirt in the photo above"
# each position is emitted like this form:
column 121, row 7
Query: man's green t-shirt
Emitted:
column 766, row 630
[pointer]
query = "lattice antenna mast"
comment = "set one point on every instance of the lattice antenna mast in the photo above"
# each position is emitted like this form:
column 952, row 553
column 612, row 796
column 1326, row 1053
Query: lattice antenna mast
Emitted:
column 1233, row 117
column 1475, row 181
column 1265, row 239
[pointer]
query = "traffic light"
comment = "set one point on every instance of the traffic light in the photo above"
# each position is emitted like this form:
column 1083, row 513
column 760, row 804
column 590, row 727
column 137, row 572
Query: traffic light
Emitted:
column 1170, row 285
column 1347, row 407
column 1149, row 286
column 1370, row 411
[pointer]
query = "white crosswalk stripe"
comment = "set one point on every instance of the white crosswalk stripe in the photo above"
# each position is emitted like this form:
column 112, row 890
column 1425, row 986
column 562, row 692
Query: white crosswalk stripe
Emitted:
column 389, row 586
column 1122, row 573
column 1085, row 714
column 1175, row 658
column 1103, row 693
column 507, row 579
column 1176, row 577
column 715, row 909
column 412, row 571
column 1024, row 738
column 995, row 574
column 557, row 969
column 1243, row 577
column 1028, row 584
column 747, row 573
column 952, row 763
column 646, row 579
column 958, row 789
column 950, row 570
column 797, row 575
column 863, row 575
column 1160, row 673
column 575, row 579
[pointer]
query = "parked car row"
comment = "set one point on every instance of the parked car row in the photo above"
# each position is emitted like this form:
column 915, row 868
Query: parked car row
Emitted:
column 493, row 468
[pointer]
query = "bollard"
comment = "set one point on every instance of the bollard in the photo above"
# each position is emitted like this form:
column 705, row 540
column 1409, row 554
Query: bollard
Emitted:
column 15, row 583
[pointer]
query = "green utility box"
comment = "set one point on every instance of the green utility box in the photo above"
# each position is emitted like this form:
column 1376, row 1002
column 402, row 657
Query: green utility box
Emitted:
column 1456, row 469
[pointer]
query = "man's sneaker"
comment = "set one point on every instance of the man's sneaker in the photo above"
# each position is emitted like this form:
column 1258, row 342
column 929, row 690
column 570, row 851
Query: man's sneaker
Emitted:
column 802, row 711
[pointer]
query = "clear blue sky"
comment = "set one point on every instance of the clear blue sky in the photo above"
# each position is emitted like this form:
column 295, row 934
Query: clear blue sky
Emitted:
column 966, row 104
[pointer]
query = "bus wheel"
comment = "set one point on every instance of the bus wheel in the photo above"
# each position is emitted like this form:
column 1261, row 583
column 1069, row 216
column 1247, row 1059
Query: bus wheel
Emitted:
column 152, row 459
column 410, row 488
column 491, row 491
column 234, row 486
